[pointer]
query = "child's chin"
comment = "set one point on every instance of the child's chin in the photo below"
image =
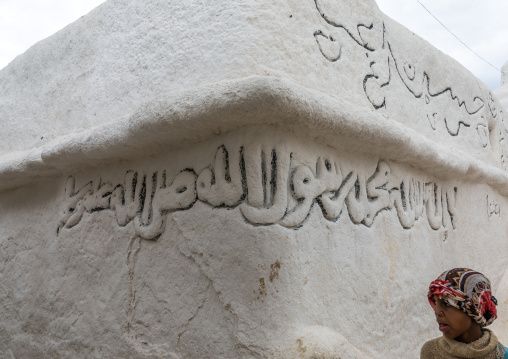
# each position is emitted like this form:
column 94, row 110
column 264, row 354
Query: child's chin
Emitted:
column 448, row 334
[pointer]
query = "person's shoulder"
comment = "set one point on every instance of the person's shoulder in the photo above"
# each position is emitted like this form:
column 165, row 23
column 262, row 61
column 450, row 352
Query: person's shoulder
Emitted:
column 431, row 342
column 429, row 348
column 501, row 351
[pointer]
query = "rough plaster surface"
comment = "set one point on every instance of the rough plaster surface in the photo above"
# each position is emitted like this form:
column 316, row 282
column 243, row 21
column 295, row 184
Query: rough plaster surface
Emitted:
column 298, row 265
column 501, row 326
column 502, row 92
column 504, row 75
column 106, row 65
column 241, row 180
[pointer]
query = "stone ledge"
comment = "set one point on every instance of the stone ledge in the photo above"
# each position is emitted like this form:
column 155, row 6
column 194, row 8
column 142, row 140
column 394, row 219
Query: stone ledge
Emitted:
column 181, row 118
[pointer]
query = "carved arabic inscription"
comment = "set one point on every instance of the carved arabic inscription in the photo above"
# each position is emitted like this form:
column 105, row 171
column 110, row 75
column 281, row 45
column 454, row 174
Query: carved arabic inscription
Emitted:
column 370, row 33
column 268, row 190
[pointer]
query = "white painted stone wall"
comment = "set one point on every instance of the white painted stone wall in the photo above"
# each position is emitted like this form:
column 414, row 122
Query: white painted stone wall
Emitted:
column 247, row 179
column 504, row 74
column 501, row 325
column 502, row 91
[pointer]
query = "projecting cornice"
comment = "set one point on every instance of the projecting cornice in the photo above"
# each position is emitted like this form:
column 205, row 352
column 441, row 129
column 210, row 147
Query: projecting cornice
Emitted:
column 180, row 119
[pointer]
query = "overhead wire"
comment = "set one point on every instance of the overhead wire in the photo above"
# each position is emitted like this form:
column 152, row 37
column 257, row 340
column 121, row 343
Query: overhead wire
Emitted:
column 462, row 42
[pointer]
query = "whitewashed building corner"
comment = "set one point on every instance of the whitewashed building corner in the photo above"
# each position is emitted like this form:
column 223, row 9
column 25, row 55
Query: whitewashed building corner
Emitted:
column 242, row 179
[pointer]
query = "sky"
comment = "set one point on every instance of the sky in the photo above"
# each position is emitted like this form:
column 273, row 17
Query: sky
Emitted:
column 25, row 22
column 481, row 24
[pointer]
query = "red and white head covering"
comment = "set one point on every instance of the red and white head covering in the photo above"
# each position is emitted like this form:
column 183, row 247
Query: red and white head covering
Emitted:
column 467, row 290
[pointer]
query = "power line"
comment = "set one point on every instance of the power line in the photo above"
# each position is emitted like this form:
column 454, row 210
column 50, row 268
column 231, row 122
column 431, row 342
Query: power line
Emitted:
column 463, row 43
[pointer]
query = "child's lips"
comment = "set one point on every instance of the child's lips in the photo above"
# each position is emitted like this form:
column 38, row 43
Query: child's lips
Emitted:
column 443, row 327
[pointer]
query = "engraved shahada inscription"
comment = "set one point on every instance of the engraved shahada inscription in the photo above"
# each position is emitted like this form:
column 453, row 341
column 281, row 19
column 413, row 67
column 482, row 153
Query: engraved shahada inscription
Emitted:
column 268, row 189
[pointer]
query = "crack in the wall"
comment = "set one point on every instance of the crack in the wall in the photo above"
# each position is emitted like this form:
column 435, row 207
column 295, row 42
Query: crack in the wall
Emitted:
column 186, row 325
column 132, row 254
column 226, row 306
column 79, row 316
column 154, row 295
column 149, row 350
column 202, row 271
column 256, row 350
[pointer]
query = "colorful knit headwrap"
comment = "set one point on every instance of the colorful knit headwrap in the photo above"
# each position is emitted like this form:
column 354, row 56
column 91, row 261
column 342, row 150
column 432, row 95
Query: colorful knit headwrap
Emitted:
column 467, row 290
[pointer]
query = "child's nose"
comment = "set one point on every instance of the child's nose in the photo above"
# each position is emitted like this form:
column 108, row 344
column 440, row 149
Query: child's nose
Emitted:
column 438, row 310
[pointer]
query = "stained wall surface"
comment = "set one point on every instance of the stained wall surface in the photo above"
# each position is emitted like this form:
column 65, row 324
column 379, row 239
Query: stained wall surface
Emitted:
column 242, row 179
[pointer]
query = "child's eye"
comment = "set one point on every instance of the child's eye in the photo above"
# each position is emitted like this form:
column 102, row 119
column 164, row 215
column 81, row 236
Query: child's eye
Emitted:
column 446, row 304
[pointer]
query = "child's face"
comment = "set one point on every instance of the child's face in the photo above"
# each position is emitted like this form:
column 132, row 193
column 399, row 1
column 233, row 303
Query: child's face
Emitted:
column 454, row 323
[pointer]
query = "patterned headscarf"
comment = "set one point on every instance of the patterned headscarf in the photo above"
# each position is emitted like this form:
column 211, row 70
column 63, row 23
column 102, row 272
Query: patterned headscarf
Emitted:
column 467, row 290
